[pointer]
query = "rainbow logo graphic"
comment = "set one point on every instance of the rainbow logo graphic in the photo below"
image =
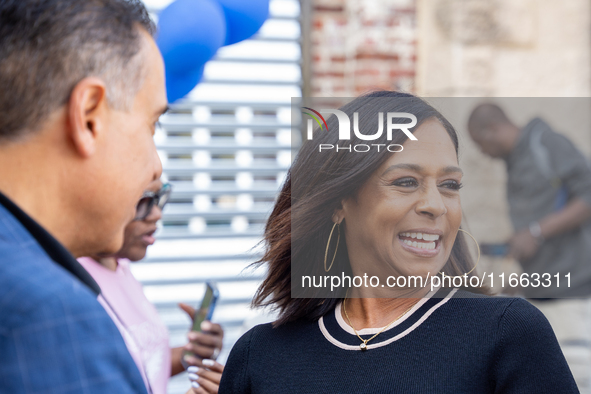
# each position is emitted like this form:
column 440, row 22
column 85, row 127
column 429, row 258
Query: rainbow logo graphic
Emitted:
column 316, row 117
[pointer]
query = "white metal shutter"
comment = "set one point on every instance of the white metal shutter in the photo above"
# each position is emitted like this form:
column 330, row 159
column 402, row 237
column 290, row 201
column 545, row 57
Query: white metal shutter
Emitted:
column 226, row 150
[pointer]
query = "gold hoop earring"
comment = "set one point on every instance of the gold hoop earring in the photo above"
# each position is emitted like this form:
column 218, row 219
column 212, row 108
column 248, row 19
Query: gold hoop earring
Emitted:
column 477, row 248
column 338, row 225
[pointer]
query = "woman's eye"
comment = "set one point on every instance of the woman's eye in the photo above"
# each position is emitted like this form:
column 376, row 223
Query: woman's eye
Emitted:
column 453, row 185
column 405, row 182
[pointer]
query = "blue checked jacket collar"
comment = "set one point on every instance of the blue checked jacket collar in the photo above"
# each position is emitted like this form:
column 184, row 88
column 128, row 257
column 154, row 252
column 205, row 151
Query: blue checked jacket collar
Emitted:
column 55, row 337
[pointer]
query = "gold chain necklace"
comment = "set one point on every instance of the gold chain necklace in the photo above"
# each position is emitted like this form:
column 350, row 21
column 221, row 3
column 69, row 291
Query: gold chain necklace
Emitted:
column 363, row 344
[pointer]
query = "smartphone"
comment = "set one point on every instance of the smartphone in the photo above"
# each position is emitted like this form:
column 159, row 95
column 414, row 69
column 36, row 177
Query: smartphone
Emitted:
column 497, row 250
column 205, row 312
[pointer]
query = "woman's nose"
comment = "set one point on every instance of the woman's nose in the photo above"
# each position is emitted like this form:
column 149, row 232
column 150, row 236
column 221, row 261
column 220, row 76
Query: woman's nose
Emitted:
column 155, row 214
column 431, row 202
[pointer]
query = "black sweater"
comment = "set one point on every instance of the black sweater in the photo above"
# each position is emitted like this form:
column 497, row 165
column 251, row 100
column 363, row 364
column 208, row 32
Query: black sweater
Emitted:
column 452, row 343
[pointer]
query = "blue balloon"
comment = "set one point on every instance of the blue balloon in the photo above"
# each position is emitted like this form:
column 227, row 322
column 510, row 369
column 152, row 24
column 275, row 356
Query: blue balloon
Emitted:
column 179, row 85
column 189, row 34
column 243, row 18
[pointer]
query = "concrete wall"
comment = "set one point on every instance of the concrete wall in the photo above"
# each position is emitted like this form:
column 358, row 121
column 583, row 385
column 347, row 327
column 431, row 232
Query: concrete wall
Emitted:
column 505, row 48
column 502, row 48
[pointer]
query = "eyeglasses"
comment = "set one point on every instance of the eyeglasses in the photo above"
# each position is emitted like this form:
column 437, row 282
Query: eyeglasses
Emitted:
column 150, row 199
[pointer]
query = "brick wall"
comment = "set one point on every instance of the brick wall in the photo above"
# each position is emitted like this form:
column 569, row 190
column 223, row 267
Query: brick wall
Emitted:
column 362, row 45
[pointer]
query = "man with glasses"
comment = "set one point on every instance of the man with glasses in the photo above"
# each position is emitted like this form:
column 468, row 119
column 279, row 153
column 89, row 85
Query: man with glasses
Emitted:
column 122, row 296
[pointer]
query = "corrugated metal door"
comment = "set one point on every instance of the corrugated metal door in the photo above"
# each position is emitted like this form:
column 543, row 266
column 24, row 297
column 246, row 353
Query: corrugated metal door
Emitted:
column 226, row 150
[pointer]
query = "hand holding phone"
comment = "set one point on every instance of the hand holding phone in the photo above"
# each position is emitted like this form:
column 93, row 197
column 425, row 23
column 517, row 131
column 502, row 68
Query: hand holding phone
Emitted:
column 205, row 343
column 205, row 312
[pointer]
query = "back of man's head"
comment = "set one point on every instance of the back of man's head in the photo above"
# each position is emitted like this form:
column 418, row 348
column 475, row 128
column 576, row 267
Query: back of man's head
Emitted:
column 81, row 90
column 48, row 46
column 485, row 117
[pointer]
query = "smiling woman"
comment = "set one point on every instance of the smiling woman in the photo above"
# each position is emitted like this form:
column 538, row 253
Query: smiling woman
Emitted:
column 372, row 197
column 411, row 193
column 383, row 224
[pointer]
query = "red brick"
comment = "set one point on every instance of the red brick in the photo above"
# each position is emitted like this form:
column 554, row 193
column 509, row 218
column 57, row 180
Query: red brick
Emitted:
column 377, row 56
column 384, row 49
column 322, row 8
column 338, row 59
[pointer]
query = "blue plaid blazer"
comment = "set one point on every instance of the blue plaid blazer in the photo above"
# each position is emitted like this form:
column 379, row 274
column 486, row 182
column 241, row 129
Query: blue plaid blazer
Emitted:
column 55, row 337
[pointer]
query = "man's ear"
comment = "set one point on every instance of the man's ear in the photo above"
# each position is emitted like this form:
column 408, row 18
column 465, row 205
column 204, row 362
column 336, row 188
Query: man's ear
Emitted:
column 87, row 111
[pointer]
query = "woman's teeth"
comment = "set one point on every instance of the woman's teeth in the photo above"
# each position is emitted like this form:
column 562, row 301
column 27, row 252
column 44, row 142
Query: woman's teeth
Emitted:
column 426, row 237
column 420, row 245
column 431, row 238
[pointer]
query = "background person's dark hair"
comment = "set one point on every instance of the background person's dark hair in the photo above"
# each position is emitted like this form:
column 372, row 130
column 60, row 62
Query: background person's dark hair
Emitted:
column 301, row 221
column 48, row 46
column 485, row 116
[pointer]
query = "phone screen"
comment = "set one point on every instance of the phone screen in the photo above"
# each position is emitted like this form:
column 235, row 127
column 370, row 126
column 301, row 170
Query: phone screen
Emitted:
column 205, row 312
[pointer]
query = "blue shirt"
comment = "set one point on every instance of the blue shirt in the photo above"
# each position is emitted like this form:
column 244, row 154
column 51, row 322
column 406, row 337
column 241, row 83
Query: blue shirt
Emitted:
column 55, row 337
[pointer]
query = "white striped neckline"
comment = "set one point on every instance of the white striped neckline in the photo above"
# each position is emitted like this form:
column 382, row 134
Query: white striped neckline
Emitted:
column 369, row 331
